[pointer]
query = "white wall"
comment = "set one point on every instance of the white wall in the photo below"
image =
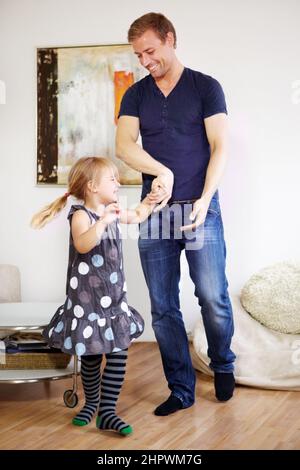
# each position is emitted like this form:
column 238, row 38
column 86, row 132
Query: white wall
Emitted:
column 251, row 47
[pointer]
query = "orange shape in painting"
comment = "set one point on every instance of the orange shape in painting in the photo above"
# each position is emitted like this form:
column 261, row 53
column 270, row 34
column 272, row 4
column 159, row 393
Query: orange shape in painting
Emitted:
column 122, row 81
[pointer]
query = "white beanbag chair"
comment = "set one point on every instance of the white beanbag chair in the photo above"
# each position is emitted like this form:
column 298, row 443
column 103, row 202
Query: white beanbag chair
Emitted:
column 272, row 297
column 265, row 358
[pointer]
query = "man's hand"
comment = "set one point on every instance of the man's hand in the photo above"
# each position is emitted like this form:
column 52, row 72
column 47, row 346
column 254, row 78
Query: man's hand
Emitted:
column 161, row 189
column 198, row 214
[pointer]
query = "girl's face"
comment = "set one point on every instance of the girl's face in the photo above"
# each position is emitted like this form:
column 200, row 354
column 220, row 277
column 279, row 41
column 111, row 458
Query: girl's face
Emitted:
column 107, row 187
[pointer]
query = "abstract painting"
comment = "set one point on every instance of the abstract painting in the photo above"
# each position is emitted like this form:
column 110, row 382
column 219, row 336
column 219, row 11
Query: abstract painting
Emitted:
column 79, row 91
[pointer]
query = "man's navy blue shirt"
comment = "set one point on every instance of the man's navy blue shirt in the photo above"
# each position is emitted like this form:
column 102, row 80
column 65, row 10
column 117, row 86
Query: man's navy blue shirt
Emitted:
column 172, row 128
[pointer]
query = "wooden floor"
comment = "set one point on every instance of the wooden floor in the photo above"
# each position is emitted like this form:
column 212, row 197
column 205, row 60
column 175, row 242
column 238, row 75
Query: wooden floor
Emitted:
column 33, row 416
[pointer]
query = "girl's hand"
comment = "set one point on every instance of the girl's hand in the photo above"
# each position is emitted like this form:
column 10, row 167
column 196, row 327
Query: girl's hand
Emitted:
column 111, row 213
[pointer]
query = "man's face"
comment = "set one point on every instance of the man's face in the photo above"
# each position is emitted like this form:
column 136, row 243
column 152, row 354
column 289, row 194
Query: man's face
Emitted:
column 156, row 56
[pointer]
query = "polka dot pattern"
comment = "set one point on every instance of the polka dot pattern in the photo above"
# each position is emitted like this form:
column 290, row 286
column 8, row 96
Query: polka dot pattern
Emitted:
column 94, row 281
column 124, row 307
column 109, row 334
column 97, row 261
column 68, row 343
column 87, row 332
column 84, row 297
column 114, row 254
column 132, row 328
column 95, row 318
column 113, row 278
column 80, row 349
column 74, row 282
column 83, row 268
column 105, row 301
column 78, row 311
column 101, row 322
column 59, row 327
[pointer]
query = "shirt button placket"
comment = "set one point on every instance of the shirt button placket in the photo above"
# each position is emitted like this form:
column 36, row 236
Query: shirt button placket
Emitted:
column 164, row 112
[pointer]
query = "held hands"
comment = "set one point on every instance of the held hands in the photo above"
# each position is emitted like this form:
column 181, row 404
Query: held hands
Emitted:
column 111, row 213
column 198, row 214
column 161, row 190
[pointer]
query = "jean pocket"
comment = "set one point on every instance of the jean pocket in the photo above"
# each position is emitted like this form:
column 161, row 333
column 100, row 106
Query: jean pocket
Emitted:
column 214, row 207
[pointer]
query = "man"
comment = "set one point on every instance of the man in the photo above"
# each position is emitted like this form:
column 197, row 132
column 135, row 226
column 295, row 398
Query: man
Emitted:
column 181, row 115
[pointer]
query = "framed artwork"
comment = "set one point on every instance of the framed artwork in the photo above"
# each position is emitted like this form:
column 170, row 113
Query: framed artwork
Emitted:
column 79, row 91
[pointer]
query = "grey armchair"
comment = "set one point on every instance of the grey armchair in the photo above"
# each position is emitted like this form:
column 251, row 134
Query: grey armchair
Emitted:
column 10, row 283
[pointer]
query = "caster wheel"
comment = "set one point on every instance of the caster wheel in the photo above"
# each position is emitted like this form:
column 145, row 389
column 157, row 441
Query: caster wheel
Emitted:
column 70, row 399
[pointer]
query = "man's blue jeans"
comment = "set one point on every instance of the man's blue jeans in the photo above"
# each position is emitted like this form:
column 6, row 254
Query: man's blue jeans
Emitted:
column 160, row 246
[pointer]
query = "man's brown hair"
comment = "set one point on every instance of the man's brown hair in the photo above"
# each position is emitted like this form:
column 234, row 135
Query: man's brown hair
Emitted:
column 155, row 21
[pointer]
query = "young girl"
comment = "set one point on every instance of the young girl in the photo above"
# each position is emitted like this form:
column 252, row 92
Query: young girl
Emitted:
column 95, row 318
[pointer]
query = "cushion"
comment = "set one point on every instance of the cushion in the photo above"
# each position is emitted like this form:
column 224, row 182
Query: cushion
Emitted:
column 264, row 358
column 272, row 297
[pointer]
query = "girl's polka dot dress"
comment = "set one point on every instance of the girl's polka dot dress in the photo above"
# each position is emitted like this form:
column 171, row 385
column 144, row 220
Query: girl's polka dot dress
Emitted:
column 95, row 317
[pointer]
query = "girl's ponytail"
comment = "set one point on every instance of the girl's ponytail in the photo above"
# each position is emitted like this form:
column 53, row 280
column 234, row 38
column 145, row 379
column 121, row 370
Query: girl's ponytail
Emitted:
column 84, row 170
column 41, row 218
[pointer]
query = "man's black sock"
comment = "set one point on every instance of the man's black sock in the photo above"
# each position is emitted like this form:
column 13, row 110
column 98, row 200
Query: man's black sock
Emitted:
column 169, row 406
column 224, row 385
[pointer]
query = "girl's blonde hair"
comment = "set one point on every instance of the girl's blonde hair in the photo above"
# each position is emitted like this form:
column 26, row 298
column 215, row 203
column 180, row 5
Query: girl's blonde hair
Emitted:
column 84, row 170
